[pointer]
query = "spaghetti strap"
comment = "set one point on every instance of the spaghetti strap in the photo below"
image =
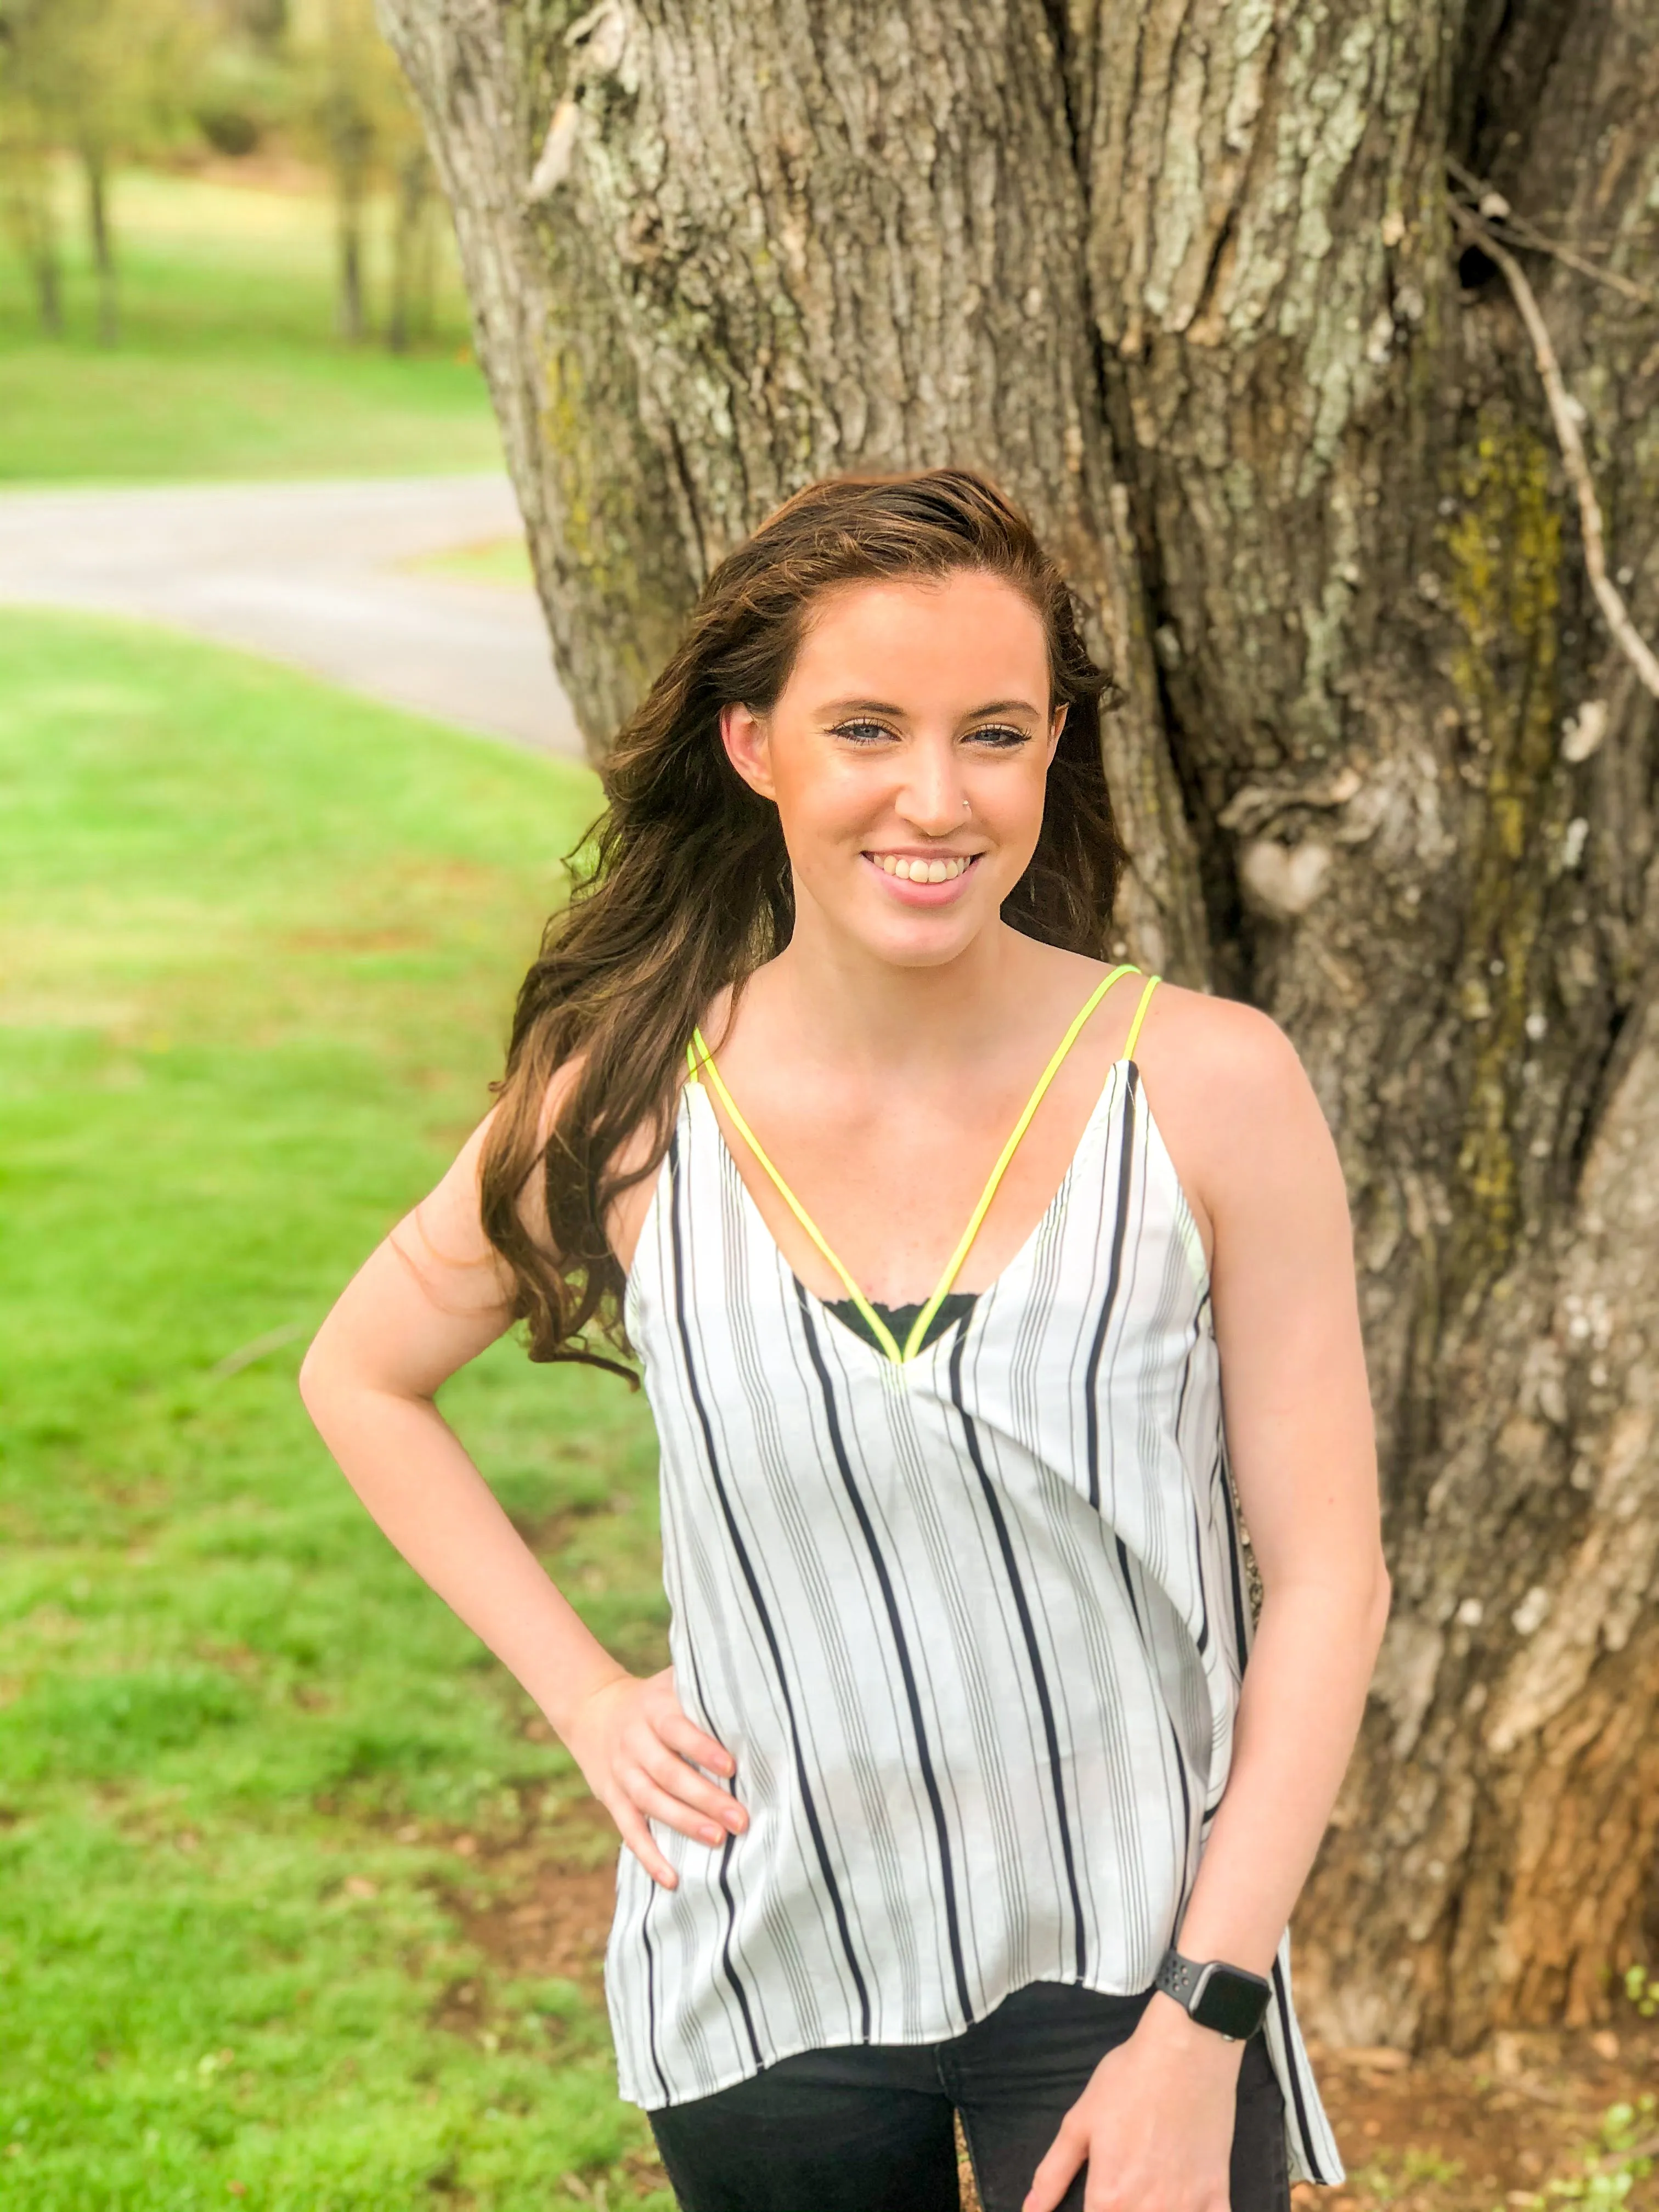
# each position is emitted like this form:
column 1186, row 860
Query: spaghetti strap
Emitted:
column 884, row 1334
column 1152, row 981
column 919, row 1330
column 698, row 1051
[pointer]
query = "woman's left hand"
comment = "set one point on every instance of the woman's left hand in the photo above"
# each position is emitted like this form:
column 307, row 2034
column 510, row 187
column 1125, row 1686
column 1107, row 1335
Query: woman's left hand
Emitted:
column 1155, row 2123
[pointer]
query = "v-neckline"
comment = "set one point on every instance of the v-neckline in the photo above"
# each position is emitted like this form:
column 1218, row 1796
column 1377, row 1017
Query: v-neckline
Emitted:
column 1109, row 1090
column 698, row 1056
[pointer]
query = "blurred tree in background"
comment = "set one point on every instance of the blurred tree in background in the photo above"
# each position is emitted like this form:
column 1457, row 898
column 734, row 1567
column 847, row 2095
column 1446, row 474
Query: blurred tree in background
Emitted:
column 347, row 92
column 102, row 82
column 416, row 213
column 26, row 197
column 242, row 94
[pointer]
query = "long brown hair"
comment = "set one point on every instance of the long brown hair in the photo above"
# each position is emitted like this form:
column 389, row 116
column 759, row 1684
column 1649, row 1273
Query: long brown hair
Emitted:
column 684, row 885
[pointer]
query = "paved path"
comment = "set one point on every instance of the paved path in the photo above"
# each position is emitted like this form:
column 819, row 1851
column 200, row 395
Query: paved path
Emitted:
column 310, row 573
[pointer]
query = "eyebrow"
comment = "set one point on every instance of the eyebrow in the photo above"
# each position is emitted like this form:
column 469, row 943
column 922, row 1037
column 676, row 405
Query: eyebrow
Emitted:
column 886, row 707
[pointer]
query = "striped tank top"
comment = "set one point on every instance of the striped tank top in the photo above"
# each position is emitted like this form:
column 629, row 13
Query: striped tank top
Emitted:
column 966, row 1609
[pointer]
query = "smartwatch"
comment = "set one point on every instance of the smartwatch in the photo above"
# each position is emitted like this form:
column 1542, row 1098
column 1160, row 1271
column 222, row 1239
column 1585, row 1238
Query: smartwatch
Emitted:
column 1231, row 2001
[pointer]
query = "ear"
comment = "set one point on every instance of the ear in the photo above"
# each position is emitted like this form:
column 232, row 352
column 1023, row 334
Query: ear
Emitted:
column 748, row 741
column 1056, row 724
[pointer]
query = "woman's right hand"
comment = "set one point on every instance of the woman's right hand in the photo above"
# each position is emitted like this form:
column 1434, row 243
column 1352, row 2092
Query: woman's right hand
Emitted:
column 640, row 1753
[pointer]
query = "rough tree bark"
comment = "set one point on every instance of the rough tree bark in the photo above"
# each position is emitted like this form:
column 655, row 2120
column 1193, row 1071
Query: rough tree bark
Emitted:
column 1180, row 273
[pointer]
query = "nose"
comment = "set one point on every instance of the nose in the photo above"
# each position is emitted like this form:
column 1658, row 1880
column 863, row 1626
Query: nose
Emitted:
column 932, row 797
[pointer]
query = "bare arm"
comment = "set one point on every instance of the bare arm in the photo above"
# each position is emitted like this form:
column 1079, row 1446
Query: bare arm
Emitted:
column 1300, row 1438
column 1156, row 2121
column 429, row 1298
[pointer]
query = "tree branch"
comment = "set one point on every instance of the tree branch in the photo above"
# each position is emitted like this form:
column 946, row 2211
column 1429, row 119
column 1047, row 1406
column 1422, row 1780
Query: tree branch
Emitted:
column 1493, row 208
column 1565, row 413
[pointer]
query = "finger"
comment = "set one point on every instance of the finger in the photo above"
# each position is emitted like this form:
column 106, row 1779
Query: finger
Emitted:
column 1058, row 2163
column 1100, row 2196
column 681, row 1734
column 630, row 1826
column 670, row 1772
column 649, row 1798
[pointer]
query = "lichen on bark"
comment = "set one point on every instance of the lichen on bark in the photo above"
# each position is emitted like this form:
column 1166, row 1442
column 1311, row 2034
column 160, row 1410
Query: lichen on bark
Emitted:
column 1503, row 555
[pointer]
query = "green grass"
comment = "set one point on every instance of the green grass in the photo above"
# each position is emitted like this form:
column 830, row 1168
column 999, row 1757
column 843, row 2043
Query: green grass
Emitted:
column 262, row 940
column 504, row 561
column 227, row 364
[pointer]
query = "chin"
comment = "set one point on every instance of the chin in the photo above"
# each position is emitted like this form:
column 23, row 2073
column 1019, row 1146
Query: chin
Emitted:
column 925, row 943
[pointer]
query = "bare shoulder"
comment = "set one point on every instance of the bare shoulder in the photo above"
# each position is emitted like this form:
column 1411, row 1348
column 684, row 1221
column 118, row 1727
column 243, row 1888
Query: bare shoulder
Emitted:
column 1235, row 1106
column 1195, row 1042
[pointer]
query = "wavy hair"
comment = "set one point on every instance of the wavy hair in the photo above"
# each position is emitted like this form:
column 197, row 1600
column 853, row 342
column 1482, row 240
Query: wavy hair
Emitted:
column 683, row 887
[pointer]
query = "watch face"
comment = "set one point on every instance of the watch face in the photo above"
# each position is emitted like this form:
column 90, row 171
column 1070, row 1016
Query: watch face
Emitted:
column 1232, row 2004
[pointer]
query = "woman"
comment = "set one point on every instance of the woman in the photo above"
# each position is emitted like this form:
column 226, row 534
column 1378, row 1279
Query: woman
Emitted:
column 956, row 1796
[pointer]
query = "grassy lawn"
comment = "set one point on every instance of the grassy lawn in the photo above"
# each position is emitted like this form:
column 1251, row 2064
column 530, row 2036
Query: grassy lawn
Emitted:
column 227, row 364
column 268, row 1816
column 504, row 561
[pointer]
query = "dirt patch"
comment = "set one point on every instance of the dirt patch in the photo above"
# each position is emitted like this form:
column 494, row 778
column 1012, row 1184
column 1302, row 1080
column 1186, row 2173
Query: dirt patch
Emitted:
column 556, row 1928
column 542, row 1909
column 1495, row 2130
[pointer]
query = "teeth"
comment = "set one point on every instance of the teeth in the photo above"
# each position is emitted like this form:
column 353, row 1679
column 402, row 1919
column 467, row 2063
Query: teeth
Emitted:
column 921, row 872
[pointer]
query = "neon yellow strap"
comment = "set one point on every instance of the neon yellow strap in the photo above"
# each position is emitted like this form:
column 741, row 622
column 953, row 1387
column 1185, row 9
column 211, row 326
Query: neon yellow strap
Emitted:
column 1152, row 981
column 884, row 1335
column 878, row 1327
column 977, row 1217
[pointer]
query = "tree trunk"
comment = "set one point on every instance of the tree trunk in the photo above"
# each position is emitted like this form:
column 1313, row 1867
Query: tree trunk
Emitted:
column 411, row 263
column 95, row 170
column 48, row 274
column 349, row 320
column 351, row 148
column 32, row 220
column 1181, row 275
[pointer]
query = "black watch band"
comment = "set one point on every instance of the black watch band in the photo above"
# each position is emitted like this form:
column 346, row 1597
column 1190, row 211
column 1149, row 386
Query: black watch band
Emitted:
column 1228, row 1999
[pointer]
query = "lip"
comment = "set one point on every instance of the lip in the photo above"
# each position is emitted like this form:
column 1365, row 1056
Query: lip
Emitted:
column 912, row 894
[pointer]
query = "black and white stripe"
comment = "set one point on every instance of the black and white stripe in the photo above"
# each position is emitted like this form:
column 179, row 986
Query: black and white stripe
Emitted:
column 973, row 1629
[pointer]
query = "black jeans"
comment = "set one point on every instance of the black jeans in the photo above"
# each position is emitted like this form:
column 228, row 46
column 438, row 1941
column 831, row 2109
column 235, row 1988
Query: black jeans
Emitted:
column 869, row 2128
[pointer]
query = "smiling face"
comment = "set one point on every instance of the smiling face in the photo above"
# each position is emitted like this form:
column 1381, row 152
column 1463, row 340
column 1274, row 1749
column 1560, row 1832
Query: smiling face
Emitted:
column 907, row 756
